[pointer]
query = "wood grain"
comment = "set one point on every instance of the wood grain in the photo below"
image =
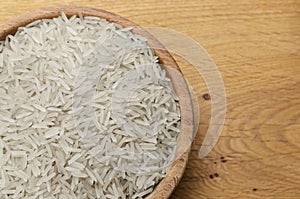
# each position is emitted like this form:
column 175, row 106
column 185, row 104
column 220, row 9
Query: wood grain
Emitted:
column 256, row 45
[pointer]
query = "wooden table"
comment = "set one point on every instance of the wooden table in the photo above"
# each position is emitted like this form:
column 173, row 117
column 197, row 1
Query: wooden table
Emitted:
column 256, row 46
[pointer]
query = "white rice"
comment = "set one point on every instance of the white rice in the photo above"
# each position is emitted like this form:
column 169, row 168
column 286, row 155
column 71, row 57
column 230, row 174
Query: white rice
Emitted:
column 85, row 112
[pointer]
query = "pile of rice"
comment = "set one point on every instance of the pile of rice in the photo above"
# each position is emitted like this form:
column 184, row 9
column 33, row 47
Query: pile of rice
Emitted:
column 85, row 112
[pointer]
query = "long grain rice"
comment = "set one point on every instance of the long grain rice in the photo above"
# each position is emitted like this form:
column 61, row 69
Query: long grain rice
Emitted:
column 86, row 111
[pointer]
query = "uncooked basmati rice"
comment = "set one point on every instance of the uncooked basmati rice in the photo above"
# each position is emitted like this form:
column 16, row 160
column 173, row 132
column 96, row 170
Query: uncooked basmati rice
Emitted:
column 86, row 111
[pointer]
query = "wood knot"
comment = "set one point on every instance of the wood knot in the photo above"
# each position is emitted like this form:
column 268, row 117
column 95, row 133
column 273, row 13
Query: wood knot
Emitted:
column 223, row 160
column 206, row 96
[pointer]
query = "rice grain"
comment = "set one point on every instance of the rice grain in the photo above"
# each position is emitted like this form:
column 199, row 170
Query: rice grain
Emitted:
column 86, row 111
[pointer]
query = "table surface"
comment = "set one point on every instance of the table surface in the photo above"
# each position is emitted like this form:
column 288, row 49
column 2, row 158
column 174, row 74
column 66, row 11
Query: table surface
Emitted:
column 256, row 46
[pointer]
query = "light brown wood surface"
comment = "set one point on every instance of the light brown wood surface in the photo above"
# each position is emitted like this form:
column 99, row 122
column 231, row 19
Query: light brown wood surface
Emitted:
column 256, row 46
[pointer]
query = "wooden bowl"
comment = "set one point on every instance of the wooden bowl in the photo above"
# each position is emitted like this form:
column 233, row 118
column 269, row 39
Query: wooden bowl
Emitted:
column 176, row 169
